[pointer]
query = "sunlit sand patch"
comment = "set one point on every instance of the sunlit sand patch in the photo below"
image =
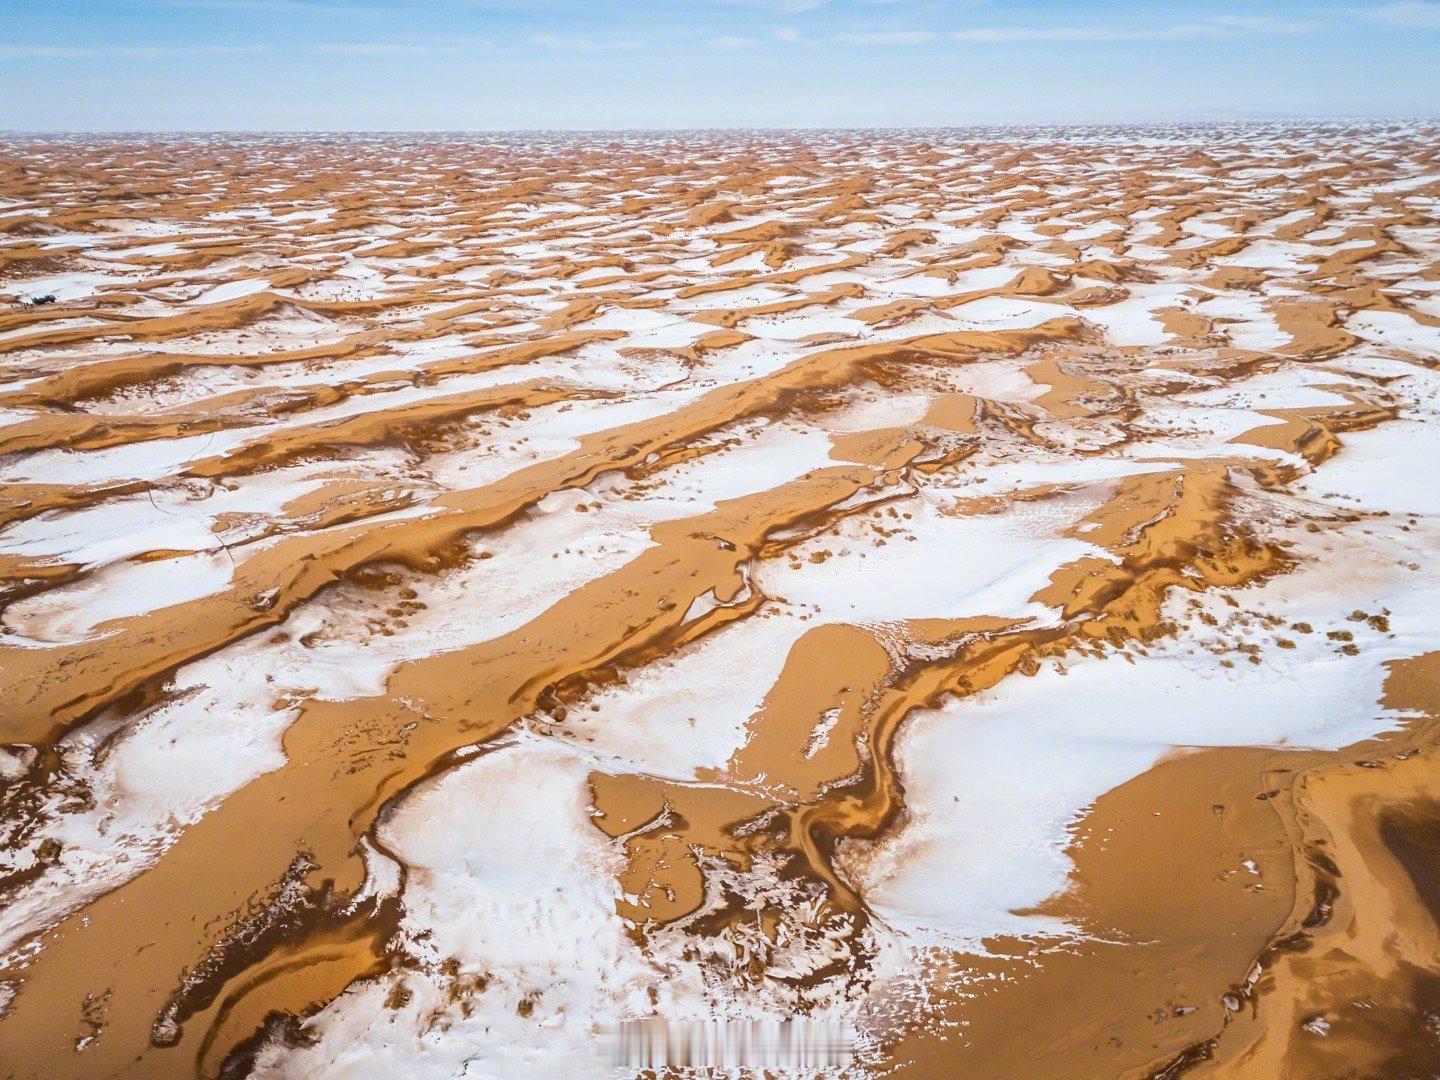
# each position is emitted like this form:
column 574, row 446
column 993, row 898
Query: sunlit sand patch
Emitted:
column 994, row 784
column 123, row 591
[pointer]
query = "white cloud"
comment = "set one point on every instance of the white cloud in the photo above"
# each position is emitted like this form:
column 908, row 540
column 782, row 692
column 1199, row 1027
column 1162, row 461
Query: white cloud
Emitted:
column 1214, row 26
column 783, row 7
column 888, row 37
column 578, row 44
column 168, row 52
column 45, row 52
column 731, row 42
column 989, row 35
column 1262, row 24
column 372, row 48
column 123, row 52
column 301, row 6
column 790, row 34
column 1415, row 14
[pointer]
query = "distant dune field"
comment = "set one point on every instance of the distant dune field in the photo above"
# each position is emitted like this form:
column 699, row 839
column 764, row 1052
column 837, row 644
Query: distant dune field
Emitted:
column 977, row 589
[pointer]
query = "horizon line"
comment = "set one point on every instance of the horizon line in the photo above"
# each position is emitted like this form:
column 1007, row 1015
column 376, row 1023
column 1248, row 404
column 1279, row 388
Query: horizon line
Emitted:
column 1197, row 120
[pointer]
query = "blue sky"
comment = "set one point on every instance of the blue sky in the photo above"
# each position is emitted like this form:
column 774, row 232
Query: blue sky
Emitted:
column 504, row 64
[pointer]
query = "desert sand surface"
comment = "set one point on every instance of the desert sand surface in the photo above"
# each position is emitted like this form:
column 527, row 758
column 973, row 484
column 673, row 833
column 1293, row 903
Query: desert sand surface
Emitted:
column 978, row 587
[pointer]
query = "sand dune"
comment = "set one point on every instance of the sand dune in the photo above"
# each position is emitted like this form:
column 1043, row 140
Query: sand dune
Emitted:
column 457, row 594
